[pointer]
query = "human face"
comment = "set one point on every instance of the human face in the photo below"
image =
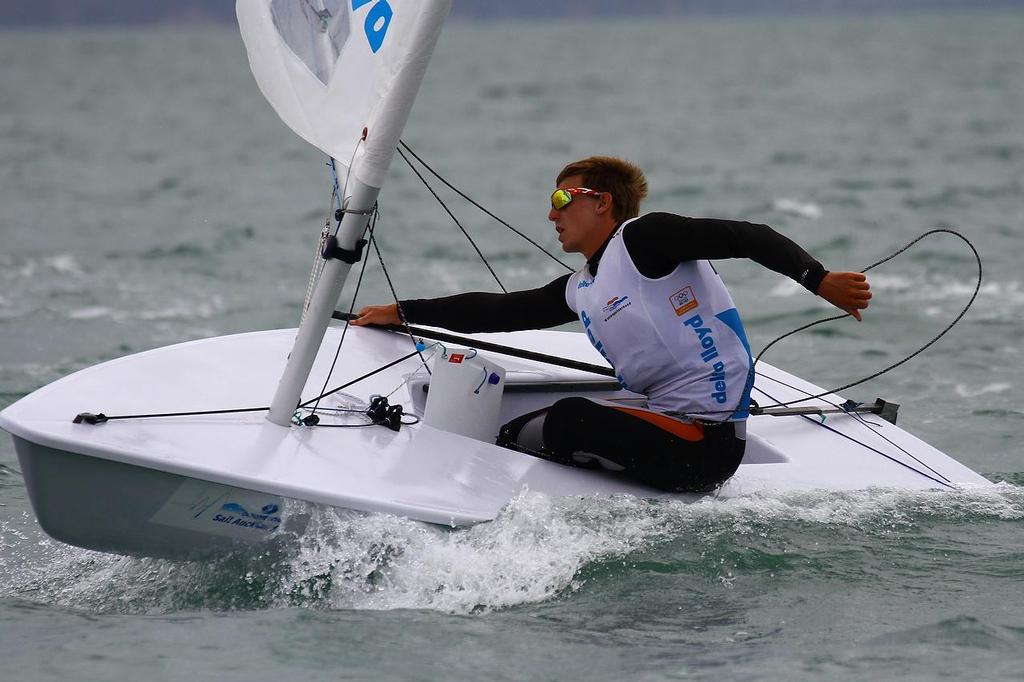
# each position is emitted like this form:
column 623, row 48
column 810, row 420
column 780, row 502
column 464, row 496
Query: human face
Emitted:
column 584, row 223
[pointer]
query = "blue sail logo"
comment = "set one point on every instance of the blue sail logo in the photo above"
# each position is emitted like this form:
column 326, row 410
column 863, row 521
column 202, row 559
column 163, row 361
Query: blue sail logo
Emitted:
column 378, row 19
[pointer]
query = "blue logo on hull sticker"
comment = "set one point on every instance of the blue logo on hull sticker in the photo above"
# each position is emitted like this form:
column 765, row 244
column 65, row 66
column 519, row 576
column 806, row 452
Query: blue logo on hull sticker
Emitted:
column 215, row 509
column 236, row 515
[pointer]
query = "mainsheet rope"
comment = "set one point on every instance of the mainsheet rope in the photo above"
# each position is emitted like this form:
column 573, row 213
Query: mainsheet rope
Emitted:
column 945, row 330
column 753, row 365
column 871, row 426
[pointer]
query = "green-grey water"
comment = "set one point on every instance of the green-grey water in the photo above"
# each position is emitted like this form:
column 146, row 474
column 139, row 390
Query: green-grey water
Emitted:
column 148, row 195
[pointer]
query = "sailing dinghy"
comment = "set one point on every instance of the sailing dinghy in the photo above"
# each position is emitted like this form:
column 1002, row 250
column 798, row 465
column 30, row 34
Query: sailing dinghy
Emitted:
column 126, row 456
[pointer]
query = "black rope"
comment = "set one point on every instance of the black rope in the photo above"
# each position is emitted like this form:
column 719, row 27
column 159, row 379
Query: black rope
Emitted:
column 889, row 457
column 860, row 419
column 753, row 366
column 476, row 204
column 956, row 320
column 456, row 220
column 357, row 379
column 99, row 418
column 394, row 295
column 321, row 425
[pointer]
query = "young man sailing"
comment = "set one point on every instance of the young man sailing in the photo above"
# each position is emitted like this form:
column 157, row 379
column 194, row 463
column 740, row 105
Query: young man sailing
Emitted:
column 654, row 306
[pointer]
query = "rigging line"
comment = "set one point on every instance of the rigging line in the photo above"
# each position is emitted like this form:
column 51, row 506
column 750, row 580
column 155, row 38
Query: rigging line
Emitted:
column 889, row 457
column 394, row 295
column 956, row 320
column 486, row 211
column 196, row 413
column 452, row 216
column 318, row 260
column 340, row 200
column 104, row 418
column 860, row 419
column 356, row 380
column 343, row 199
column 321, row 425
column 371, row 224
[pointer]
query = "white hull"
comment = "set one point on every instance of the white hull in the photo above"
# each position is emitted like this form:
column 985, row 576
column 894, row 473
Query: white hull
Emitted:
column 191, row 486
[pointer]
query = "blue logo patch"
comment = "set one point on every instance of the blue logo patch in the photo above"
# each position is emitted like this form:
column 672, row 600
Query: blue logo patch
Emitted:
column 378, row 19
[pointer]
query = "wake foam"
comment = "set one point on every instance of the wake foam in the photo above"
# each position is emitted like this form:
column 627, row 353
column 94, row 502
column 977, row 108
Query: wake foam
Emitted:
column 539, row 548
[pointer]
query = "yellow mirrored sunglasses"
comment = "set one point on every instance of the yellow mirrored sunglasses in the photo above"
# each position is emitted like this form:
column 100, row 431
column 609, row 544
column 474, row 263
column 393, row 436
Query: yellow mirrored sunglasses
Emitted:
column 561, row 198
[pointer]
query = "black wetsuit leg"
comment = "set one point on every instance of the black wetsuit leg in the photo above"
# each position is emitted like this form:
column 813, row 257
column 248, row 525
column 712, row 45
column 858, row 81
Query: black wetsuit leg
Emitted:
column 690, row 458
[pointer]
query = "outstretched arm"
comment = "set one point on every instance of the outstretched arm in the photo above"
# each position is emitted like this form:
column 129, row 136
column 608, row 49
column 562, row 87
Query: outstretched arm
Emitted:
column 480, row 311
column 658, row 242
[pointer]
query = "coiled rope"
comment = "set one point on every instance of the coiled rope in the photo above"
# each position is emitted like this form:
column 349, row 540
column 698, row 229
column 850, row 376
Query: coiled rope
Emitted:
column 929, row 344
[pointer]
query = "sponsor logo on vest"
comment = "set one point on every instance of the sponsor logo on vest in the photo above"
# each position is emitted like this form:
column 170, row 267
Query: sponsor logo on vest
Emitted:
column 683, row 301
column 585, row 319
column 615, row 306
column 584, row 283
column 709, row 353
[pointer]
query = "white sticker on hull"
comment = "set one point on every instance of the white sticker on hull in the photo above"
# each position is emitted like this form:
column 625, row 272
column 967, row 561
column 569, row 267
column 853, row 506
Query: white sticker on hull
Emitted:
column 222, row 510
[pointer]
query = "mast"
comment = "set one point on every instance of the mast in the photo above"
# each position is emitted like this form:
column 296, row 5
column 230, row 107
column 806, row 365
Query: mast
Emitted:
column 396, row 39
column 321, row 307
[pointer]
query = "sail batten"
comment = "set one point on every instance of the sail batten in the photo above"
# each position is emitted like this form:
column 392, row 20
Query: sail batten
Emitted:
column 332, row 68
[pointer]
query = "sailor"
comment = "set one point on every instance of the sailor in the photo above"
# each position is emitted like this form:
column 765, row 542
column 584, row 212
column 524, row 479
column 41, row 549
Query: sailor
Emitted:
column 655, row 307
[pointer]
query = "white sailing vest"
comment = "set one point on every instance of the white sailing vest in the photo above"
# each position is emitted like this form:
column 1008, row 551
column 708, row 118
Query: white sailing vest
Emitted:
column 677, row 339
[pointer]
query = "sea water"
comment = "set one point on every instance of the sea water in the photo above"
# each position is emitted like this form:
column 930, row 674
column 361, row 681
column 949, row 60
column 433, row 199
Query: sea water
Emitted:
column 149, row 195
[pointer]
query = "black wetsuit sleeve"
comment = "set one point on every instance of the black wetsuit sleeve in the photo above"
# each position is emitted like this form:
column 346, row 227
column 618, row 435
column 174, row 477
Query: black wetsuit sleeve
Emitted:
column 659, row 242
column 489, row 312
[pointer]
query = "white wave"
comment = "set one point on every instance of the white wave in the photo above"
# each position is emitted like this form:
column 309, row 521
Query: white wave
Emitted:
column 894, row 283
column 207, row 307
column 801, row 209
column 63, row 263
column 785, row 288
column 536, row 550
column 90, row 313
column 967, row 392
column 880, row 282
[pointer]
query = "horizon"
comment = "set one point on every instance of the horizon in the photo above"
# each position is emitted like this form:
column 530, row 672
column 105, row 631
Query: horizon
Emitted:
column 55, row 13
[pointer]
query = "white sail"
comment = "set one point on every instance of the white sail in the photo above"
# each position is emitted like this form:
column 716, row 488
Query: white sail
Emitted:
column 334, row 68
